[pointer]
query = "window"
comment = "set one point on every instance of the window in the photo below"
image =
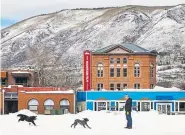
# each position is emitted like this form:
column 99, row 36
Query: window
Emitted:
column 3, row 81
column 100, row 86
column 64, row 105
column 124, row 60
column 181, row 106
column 119, row 86
column 136, row 70
column 33, row 105
column 100, row 106
column 111, row 60
column 125, row 72
column 49, row 104
column 151, row 86
column 100, row 70
column 112, row 72
column 21, row 81
column 124, row 86
column 145, row 106
column 151, row 70
column 120, row 106
column 118, row 72
column 111, row 86
column 118, row 60
column 136, row 86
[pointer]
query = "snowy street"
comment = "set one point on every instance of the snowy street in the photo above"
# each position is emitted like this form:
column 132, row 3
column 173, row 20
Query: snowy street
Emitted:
column 102, row 123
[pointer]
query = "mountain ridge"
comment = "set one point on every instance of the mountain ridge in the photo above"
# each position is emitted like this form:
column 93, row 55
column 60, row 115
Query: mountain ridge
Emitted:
column 62, row 36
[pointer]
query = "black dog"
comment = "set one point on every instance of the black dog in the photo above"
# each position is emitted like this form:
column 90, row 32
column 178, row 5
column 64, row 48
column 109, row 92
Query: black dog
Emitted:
column 27, row 118
column 81, row 122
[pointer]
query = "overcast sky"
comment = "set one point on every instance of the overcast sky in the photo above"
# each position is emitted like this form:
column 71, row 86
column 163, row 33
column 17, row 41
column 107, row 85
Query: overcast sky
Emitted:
column 16, row 10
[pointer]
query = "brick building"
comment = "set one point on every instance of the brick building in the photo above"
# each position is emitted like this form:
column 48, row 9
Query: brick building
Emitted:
column 40, row 100
column 25, row 77
column 122, row 66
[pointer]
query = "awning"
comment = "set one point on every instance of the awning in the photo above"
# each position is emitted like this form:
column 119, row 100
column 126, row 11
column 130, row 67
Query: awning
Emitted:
column 20, row 74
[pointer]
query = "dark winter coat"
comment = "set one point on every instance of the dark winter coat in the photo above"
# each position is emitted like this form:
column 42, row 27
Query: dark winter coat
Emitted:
column 128, row 105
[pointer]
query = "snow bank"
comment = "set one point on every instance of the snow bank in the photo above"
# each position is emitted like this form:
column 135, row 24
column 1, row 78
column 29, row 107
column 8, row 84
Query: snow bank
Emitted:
column 168, row 89
column 24, row 111
column 102, row 123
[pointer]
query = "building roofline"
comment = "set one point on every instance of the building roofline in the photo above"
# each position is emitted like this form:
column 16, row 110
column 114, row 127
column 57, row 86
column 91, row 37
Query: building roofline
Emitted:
column 134, row 53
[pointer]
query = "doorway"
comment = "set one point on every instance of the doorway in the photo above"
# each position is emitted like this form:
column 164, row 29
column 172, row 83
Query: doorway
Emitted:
column 10, row 106
column 164, row 108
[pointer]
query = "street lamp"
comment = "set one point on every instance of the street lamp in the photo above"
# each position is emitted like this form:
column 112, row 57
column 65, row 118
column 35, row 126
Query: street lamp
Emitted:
column 3, row 100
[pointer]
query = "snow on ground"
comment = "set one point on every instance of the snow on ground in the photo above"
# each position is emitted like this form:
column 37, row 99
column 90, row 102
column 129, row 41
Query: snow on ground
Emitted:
column 102, row 123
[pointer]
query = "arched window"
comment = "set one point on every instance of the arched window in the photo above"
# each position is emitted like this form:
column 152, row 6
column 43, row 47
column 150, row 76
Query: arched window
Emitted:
column 33, row 105
column 49, row 104
column 124, row 60
column 151, row 70
column 64, row 105
column 100, row 70
column 136, row 70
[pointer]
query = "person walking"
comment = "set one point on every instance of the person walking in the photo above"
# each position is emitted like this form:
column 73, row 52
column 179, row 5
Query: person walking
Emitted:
column 128, row 109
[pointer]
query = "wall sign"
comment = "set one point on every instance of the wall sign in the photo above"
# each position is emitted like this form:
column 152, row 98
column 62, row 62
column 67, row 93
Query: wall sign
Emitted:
column 87, row 70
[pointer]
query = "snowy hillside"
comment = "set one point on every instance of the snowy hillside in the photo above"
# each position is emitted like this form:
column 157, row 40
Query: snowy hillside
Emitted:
column 62, row 36
column 102, row 123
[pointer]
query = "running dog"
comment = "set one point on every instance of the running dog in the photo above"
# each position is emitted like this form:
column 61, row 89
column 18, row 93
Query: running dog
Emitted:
column 81, row 122
column 27, row 118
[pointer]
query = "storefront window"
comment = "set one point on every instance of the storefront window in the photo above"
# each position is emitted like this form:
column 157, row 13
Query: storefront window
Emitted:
column 33, row 105
column 101, row 106
column 181, row 106
column 145, row 106
column 64, row 105
column 49, row 104
column 120, row 106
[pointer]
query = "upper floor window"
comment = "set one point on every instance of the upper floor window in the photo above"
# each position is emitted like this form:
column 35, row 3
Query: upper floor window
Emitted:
column 118, row 60
column 151, row 70
column 124, row 60
column 136, row 70
column 125, row 72
column 136, row 86
column 111, row 60
column 100, row 70
column 111, row 72
column 118, row 72
column 100, row 86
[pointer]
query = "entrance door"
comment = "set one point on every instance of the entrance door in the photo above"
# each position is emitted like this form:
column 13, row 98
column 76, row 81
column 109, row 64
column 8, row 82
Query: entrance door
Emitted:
column 11, row 106
column 164, row 108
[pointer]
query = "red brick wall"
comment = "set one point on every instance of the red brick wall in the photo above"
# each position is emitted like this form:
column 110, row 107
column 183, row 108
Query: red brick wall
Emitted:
column 145, row 80
column 24, row 98
column 32, row 79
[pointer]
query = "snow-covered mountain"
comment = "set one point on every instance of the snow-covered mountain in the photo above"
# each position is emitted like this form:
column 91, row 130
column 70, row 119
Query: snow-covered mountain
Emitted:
column 62, row 36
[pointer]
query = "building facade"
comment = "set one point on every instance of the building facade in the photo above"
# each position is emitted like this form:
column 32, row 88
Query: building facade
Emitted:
column 123, row 66
column 162, row 101
column 25, row 77
column 41, row 100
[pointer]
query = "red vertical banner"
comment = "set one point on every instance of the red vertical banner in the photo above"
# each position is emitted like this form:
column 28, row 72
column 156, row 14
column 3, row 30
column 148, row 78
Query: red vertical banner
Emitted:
column 87, row 70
